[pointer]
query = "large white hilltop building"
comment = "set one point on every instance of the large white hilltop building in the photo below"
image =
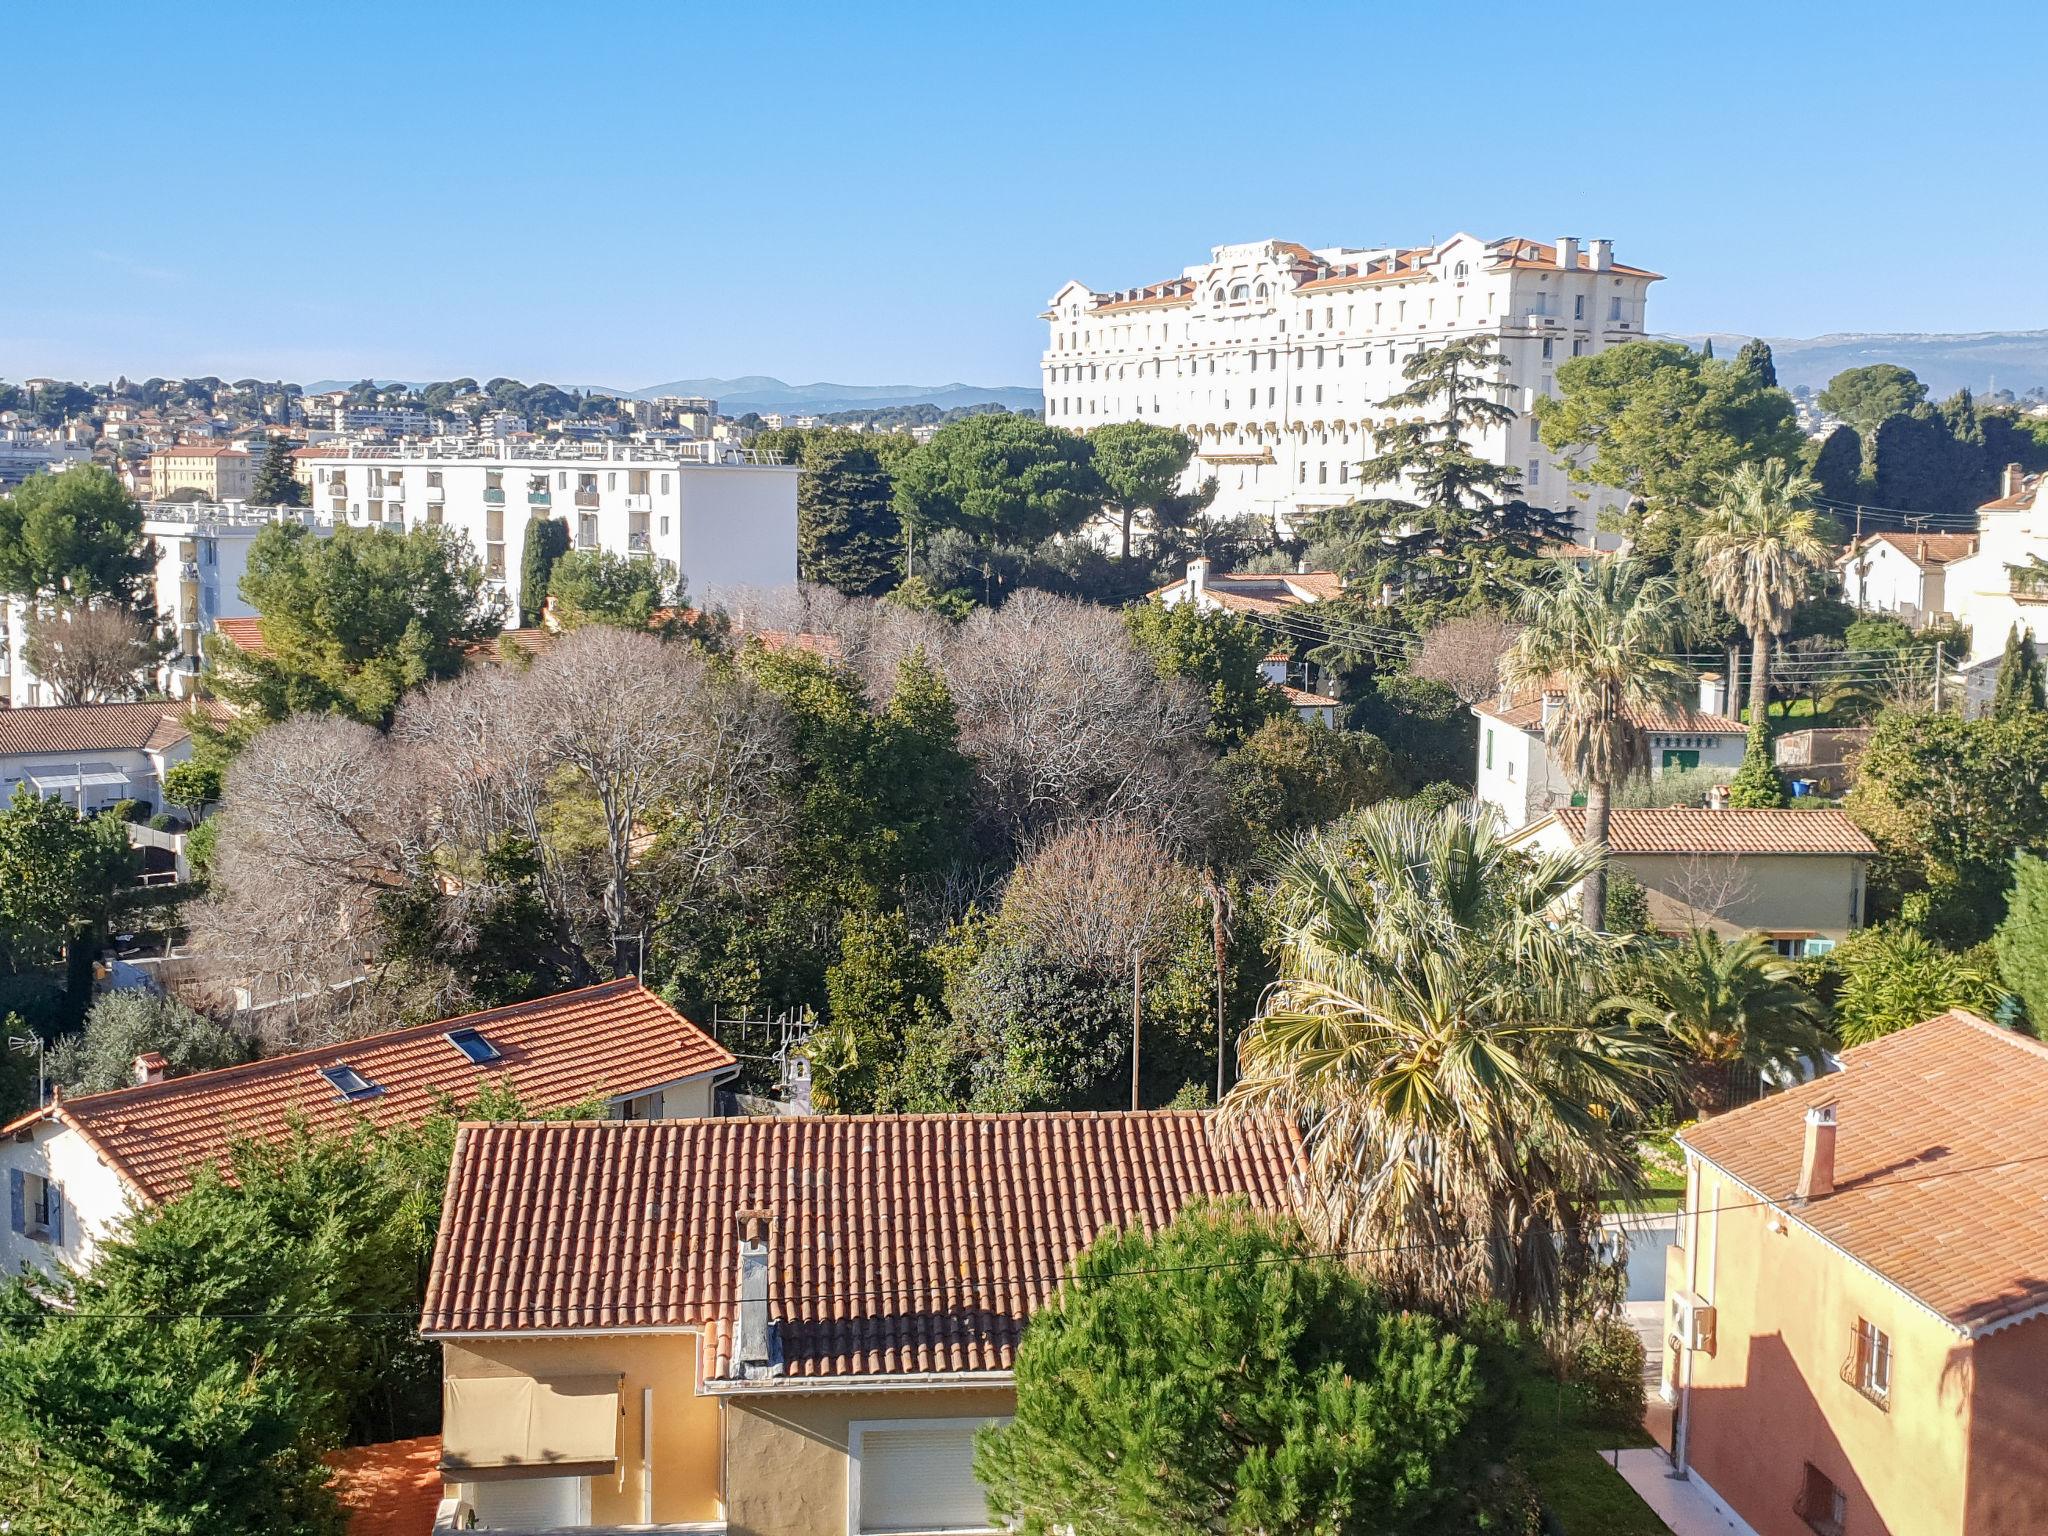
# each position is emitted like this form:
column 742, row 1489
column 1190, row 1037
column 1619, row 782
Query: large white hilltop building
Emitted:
column 723, row 516
column 1274, row 358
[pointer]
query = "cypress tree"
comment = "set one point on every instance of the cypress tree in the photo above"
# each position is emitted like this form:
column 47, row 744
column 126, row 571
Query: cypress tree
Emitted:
column 1757, row 785
column 1755, row 359
column 2021, row 687
column 547, row 540
column 2022, row 939
column 276, row 485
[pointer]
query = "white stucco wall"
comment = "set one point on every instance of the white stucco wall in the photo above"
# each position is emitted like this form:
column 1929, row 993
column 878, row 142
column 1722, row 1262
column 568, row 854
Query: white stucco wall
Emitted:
column 95, row 1198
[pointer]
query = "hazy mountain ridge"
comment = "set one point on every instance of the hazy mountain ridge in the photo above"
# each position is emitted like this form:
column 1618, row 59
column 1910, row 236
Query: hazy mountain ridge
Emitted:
column 759, row 392
column 1944, row 361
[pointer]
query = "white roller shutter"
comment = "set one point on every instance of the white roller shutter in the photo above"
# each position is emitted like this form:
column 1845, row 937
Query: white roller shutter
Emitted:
column 920, row 1479
column 531, row 1503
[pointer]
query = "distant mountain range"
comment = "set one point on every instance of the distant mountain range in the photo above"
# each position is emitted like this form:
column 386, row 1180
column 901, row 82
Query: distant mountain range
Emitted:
column 1944, row 362
column 757, row 392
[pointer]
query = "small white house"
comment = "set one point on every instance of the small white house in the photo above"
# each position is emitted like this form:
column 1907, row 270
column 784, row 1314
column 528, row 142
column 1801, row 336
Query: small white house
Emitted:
column 2002, row 584
column 1905, row 574
column 1522, row 777
column 1249, row 594
column 93, row 756
column 78, row 1166
column 1310, row 708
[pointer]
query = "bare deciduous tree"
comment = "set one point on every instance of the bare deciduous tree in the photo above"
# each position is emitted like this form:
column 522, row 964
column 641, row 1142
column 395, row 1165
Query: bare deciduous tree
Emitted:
column 1067, row 720
column 90, row 654
column 1093, row 896
column 1464, row 654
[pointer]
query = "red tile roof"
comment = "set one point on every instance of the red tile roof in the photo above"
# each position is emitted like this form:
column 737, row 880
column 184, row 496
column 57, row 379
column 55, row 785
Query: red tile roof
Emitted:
column 1529, row 255
column 1940, row 1179
column 898, row 1244
column 200, row 451
column 393, row 1489
column 1301, row 698
column 603, row 1041
column 1254, row 592
column 68, row 728
column 246, row 634
column 1527, row 714
column 1686, row 829
column 2019, row 500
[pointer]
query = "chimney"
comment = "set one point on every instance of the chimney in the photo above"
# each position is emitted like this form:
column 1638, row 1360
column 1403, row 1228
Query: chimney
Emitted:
column 1602, row 254
column 1568, row 252
column 150, row 1067
column 1198, row 577
column 1713, row 693
column 753, row 1347
column 1817, row 1167
column 2015, row 479
column 1552, row 703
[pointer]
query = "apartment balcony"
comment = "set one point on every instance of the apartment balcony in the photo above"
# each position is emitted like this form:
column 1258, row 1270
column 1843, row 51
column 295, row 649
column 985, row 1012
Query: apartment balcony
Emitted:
column 586, row 498
column 540, row 498
column 394, row 492
column 639, row 501
column 639, row 544
column 436, row 494
column 494, row 498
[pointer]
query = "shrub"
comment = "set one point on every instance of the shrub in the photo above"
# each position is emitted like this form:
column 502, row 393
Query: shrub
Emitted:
column 1608, row 1366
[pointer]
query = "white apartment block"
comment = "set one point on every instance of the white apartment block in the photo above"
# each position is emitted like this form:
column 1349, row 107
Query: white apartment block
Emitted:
column 723, row 516
column 1274, row 358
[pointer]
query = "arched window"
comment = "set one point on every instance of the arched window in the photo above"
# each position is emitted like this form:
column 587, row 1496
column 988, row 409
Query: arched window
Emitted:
column 1261, row 295
column 1215, row 295
column 1461, row 271
column 1239, row 292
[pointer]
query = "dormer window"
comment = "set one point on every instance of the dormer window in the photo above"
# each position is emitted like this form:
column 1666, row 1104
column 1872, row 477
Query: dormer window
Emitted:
column 349, row 1083
column 471, row 1043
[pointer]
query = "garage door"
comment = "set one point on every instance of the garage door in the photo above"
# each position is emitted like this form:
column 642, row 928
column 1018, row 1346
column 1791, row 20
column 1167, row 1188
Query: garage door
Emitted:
column 531, row 1503
column 919, row 1478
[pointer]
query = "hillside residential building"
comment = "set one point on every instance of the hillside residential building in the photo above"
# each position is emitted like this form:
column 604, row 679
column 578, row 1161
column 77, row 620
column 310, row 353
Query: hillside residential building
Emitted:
column 217, row 471
column 1857, row 1302
column 1795, row 876
column 2003, row 581
column 1265, row 600
column 783, row 1327
column 724, row 517
column 78, row 1166
column 24, row 453
column 1522, row 777
column 1274, row 358
column 1903, row 573
column 93, row 756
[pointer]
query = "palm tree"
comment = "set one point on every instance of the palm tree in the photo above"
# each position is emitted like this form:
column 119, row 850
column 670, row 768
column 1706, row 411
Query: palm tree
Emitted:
column 1601, row 637
column 1433, row 1035
column 1719, row 1004
column 1758, row 551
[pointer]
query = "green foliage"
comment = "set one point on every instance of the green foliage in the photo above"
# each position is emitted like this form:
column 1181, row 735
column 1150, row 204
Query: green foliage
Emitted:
column 1220, row 1376
column 848, row 535
column 1755, row 359
column 1429, row 733
column 2020, row 678
column 883, row 1012
column 1463, row 539
column 1140, row 466
column 547, row 540
column 1757, row 784
column 1949, row 802
column 500, row 946
column 120, row 1026
column 1836, row 464
column 1893, row 978
column 195, row 783
column 276, row 485
column 77, row 535
column 352, row 621
column 1289, row 776
column 595, row 586
column 62, row 877
column 2022, row 941
column 1628, row 905
column 1608, row 1367
column 1219, row 654
column 1663, row 423
column 999, row 480
column 1865, row 397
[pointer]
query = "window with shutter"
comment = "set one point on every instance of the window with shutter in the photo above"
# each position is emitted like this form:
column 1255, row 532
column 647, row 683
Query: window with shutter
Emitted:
column 916, row 1477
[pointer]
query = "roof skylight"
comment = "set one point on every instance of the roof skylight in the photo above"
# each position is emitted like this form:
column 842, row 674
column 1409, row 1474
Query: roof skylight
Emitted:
column 471, row 1043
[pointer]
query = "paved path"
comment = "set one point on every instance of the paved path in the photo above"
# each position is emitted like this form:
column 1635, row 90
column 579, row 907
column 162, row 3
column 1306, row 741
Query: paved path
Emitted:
column 1681, row 1503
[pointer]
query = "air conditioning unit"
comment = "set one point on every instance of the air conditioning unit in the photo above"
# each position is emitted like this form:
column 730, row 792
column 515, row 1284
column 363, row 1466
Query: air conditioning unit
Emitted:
column 1690, row 1323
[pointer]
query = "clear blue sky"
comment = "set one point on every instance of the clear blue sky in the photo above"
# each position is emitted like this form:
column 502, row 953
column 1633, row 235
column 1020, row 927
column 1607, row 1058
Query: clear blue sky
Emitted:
column 625, row 194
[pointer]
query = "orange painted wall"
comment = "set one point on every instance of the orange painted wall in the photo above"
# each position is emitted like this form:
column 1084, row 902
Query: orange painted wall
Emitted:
column 2008, row 1484
column 1772, row 1397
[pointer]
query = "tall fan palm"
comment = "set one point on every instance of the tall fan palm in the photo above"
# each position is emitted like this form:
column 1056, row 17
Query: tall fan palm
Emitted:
column 1599, row 637
column 1433, row 1036
column 1758, row 551
column 1719, row 1004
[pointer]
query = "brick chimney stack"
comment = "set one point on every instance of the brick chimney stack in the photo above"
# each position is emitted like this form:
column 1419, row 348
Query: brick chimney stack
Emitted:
column 2015, row 479
column 1817, row 1164
column 150, row 1067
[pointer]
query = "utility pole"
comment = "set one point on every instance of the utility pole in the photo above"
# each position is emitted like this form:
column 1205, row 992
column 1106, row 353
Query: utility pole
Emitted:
column 1940, row 666
column 1219, row 934
column 1137, row 1015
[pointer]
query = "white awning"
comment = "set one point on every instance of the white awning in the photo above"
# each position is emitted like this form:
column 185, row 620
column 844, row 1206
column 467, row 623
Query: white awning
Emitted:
column 516, row 1426
column 90, row 776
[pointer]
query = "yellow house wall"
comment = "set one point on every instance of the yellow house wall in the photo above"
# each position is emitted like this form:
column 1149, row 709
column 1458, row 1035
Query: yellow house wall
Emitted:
column 786, row 1456
column 1810, row 893
column 1771, row 1398
column 686, row 1428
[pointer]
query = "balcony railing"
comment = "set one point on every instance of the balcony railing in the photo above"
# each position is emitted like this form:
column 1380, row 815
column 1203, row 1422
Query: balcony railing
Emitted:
column 495, row 498
column 1869, row 1366
column 539, row 499
column 586, row 498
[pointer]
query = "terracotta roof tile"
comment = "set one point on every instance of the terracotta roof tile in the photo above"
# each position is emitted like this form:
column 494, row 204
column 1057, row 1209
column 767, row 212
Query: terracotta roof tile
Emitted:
column 92, row 728
column 200, row 451
column 1527, row 714
column 1253, row 592
column 1923, row 549
column 1940, row 1182
column 246, row 634
column 2028, row 495
column 898, row 1245
column 1301, row 698
column 607, row 1040
column 393, row 1489
column 1686, row 829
